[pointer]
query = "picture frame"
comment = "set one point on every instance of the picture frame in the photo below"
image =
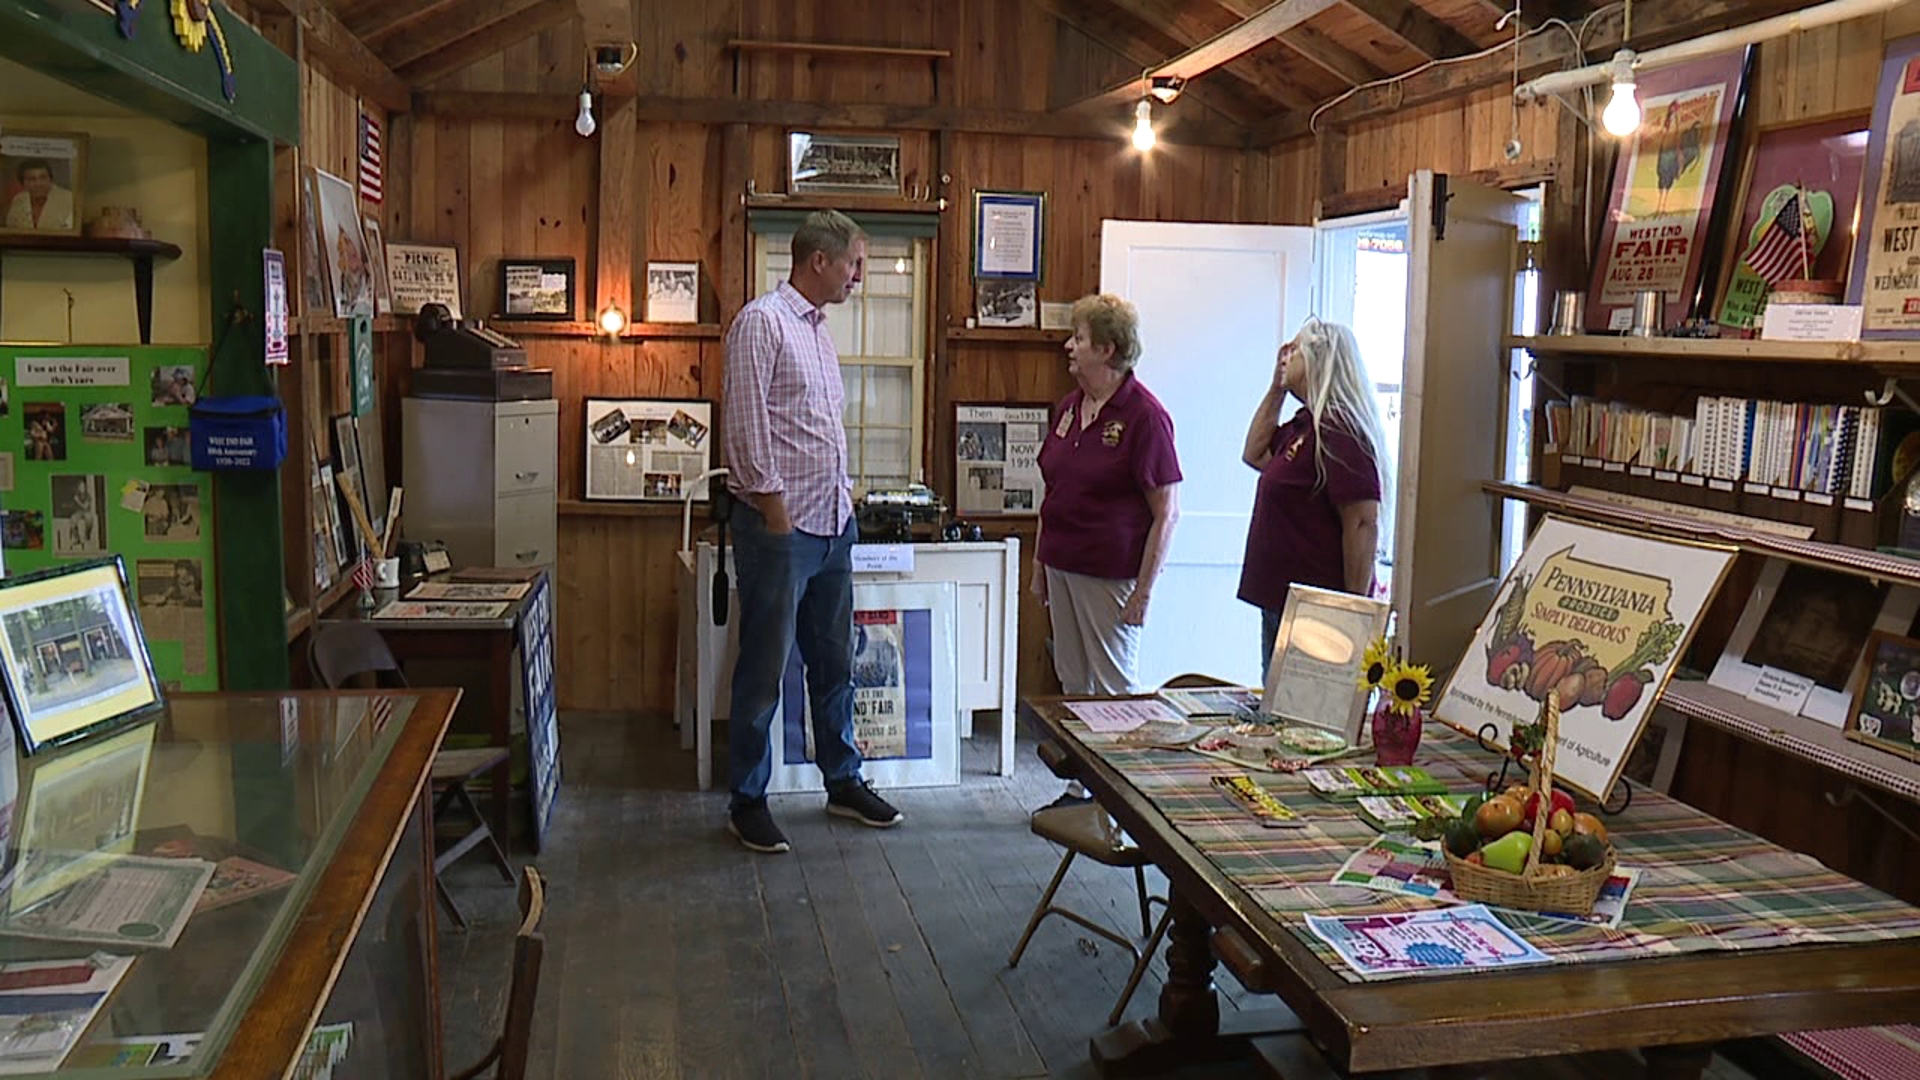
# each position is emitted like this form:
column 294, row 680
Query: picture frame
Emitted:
column 377, row 260
column 842, row 164
column 647, row 449
column 78, row 807
column 673, row 292
column 421, row 274
column 1006, row 302
column 1887, row 702
column 342, row 244
column 73, row 657
column 43, row 182
column 1009, row 235
column 536, row 289
column 1828, row 158
column 996, row 458
column 1883, row 278
column 1314, row 675
column 1666, row 190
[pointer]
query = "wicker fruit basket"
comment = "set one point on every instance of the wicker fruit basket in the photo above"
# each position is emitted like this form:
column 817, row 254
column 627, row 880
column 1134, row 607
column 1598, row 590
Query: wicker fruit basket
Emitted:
column 1537, row 887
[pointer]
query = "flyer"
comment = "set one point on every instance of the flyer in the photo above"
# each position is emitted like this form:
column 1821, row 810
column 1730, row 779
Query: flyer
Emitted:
column 1469, row 938
column 997, row 452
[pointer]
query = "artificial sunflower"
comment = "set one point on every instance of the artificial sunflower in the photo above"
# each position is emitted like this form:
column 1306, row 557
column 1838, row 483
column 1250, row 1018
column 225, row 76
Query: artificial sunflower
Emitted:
column 1375, row 663
column 1408, row 686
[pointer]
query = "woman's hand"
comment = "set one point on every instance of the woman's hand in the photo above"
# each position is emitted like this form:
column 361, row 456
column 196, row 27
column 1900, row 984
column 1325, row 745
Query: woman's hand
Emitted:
column 1135, row 611
column 1039, row 586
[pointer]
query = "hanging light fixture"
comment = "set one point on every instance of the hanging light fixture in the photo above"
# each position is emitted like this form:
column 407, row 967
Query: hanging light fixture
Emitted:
column 584, row 122
column 1622, row 114
column 613, row 320
column 1143, row 137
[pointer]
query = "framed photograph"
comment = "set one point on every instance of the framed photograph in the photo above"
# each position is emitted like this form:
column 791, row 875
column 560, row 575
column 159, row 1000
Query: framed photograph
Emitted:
column 422, row 274
column 996, row 458
column 1666, row 189
column 1885, row 279
column 1799, row 644
column 1006, row 302
column 43, row 179
column 1886, row 711
column 843, row 164
column 536, row 289
column 72, row 655
column 1599, row 617
column 1009, row 231
column 905, row 697
column 342, row 244
column 673, row 292
column 647, row 450
column 1314, row 677
column 377, row 261
column 1798, row 177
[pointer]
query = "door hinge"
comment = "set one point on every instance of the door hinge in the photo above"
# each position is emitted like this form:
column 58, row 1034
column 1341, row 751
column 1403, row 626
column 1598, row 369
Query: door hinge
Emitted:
column 1440, row 199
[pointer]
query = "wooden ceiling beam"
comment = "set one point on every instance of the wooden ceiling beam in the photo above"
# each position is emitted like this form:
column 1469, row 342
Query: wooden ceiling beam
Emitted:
column 1189, row 129
column 396, row 16
column 344, row 57
column 1315, row 47
column 1422, row 32
column 487, row 40
column 1658, row 25
column 1248, row 34
column 468, row 17
column 1130, row 46
column 1189, row 26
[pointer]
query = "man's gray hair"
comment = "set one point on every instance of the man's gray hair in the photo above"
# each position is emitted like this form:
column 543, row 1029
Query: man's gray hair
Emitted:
column 827, row 231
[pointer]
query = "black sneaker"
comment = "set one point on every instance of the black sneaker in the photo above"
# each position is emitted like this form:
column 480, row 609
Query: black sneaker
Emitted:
column 856, row 799
column 1068, row 798
column 753, row 825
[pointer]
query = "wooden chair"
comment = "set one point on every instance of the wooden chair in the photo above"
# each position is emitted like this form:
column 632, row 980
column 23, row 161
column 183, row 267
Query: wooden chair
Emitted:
column 352, row 652
column 509, row 1051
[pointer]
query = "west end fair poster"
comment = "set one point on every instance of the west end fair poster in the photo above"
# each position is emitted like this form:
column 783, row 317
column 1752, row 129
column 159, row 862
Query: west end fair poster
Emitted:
column 1886, row 261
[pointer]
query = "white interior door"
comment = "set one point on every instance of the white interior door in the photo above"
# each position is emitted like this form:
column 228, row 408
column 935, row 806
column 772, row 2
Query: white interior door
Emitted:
column 1215, row 303
column 1459, row 309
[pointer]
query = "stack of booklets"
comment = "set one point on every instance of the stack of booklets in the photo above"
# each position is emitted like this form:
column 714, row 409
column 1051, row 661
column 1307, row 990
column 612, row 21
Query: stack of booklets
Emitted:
column 1357, row 781
column 1400, row 813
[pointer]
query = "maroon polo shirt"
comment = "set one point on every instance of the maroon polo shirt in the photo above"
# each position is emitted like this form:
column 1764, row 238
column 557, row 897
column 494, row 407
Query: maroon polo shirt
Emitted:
column 1095, row 519
column 1295, row 532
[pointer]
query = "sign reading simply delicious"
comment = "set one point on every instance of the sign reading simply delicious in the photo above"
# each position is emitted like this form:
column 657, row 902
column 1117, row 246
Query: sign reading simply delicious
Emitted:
column 1598, row 618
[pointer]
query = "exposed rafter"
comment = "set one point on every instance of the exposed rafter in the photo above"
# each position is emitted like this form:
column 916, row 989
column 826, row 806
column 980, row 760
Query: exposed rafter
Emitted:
column 486, row 40
column 1143, row 54
column 1248, row 34
column 1422, row 32
column 397, row 16
column 1330, row 56
column 341, row 55
column 1190, row 23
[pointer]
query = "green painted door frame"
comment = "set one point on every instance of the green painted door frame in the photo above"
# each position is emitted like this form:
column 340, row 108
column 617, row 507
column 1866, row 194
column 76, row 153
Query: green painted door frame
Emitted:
column 76, row 42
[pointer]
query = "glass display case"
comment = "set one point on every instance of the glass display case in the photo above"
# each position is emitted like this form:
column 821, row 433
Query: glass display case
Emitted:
column 238, row 883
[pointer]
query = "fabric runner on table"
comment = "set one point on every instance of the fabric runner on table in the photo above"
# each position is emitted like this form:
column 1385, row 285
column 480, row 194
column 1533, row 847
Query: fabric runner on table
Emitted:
column 1705, row 885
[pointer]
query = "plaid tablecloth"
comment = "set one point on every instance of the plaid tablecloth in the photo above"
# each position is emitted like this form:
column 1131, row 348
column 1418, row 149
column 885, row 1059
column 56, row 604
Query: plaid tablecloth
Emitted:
column 1705, row 885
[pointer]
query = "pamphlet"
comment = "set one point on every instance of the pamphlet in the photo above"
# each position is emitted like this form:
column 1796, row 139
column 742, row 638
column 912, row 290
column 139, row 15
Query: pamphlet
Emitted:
column 1425, row 942
column 1113, row 716
column 1354, row 781
column 136, row 1052
column 46, row 1006
column 1400, row 813
column 1258, row 802
column 1407, row 867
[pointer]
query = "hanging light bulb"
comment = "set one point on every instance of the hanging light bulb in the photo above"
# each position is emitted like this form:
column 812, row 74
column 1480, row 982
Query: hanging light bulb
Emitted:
column 1143, row 126
column 613, row 320
column 900, row 265
column 1622, row 114
column 584, row 122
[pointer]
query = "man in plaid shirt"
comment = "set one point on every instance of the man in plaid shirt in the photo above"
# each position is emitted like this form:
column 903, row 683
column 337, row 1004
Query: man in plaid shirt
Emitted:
column 794, row 528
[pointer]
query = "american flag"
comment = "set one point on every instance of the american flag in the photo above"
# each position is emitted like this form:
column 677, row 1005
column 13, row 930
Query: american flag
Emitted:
column 370, row 186
column 1782, row 250
column 363, row 574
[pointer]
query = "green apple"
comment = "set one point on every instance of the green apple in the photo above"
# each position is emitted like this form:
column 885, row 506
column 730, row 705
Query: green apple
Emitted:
column 1508, row 853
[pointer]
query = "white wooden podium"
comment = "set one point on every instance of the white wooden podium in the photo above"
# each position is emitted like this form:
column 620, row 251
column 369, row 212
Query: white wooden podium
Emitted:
column 986, row 580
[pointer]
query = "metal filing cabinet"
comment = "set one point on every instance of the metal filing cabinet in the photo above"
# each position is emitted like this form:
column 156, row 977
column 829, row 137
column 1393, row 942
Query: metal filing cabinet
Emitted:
column 480, row 477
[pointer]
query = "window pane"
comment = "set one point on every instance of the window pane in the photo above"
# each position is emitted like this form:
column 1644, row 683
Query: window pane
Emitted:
column 889, row 457
column 850, row 412
column 890, row 396
column 889, row 327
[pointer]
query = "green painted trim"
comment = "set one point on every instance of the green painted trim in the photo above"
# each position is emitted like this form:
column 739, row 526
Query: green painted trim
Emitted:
column 152, row 73
column 874, row 222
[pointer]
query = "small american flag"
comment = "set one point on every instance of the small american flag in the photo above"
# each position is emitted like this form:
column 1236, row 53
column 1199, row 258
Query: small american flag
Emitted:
column 370, row 184
column 1782, row 250
column 363, row 574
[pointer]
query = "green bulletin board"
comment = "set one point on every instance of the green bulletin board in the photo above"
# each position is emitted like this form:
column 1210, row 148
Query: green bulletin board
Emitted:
column 94, row 460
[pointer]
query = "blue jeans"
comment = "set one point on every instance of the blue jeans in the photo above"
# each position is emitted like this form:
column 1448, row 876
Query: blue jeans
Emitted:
column 1269, row 633
column 796, row 587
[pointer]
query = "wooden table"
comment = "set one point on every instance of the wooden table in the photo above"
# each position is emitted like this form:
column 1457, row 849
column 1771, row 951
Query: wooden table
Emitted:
column 1672, row 1009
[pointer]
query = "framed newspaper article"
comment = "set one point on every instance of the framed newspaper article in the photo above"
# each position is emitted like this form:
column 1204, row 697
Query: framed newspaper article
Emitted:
column 905, row 693
column 996, row 452
column 647, row 450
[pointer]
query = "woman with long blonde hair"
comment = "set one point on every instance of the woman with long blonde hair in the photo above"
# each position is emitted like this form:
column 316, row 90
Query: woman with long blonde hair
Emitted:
column 1316, row 511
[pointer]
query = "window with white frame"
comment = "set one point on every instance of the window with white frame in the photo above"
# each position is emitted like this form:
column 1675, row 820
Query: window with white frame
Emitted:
column 880, row 334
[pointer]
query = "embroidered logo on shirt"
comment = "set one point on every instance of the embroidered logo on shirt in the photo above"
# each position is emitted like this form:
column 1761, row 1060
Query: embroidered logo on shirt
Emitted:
column 1111, row 433
column 1294, row 447
column 1065, row 425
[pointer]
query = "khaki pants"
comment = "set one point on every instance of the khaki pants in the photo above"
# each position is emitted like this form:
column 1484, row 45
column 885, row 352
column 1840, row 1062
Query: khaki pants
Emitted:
column 1092, row 652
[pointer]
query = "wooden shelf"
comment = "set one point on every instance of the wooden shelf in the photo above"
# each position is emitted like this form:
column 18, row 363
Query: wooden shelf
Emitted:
column 298, row 623
column 1796, row 736
column 328, row 324
column 140, row 252
column 1848, row 560
column 898, row 204
column 1024, row 335
column 634, row 332
column 583, row 508
column 1859, row 353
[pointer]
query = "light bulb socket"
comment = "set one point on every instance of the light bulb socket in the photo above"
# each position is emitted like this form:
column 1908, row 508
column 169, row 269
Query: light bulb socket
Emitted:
column 1166, row 87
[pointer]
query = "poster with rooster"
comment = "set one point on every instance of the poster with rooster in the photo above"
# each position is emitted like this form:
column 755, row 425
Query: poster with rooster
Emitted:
column 1886, row 263
column 1667, row 180
column 1597, row 617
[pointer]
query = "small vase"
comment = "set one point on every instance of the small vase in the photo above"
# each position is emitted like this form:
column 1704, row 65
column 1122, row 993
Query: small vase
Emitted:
column 1396, row 737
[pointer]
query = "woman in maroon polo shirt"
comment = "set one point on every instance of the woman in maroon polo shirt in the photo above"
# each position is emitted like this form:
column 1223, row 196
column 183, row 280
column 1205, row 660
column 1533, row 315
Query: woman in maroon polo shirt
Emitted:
column 1316, row 511
column 1112, row 499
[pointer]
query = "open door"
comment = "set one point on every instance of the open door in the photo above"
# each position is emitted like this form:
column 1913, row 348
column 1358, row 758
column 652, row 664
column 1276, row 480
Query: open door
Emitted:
column 1462, row 245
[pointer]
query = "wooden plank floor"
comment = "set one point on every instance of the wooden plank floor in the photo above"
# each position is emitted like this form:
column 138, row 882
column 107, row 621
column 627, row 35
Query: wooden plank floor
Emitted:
column 671, row 951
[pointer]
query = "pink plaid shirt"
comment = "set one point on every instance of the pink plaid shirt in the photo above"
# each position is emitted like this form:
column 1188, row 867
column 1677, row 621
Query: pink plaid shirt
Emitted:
column 781, row 411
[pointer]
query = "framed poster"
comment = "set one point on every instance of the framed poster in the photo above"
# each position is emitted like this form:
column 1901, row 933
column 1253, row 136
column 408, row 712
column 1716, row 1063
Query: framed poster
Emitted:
column 1885, row 279
column 843, row 164
column 905, row 684
column 1009, row 233
column 1314, row 678
column 535, row 638
column 536, row 289
column 1666, row 190
column 1805, row 173
column 673, row 292
column 647, row 450
column 43, row 180
column 349, row 273
column 1886, row 711
column 377, row 260
column 72, row 653
column 1006, row 302
column 422, row 274
column 996, row 466
column 1798, row 645
column 1597, row 616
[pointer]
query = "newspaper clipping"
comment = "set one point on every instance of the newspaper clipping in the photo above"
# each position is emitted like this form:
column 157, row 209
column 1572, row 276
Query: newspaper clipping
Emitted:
column 997, row 452
column 172, row 607
column 646, row 450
